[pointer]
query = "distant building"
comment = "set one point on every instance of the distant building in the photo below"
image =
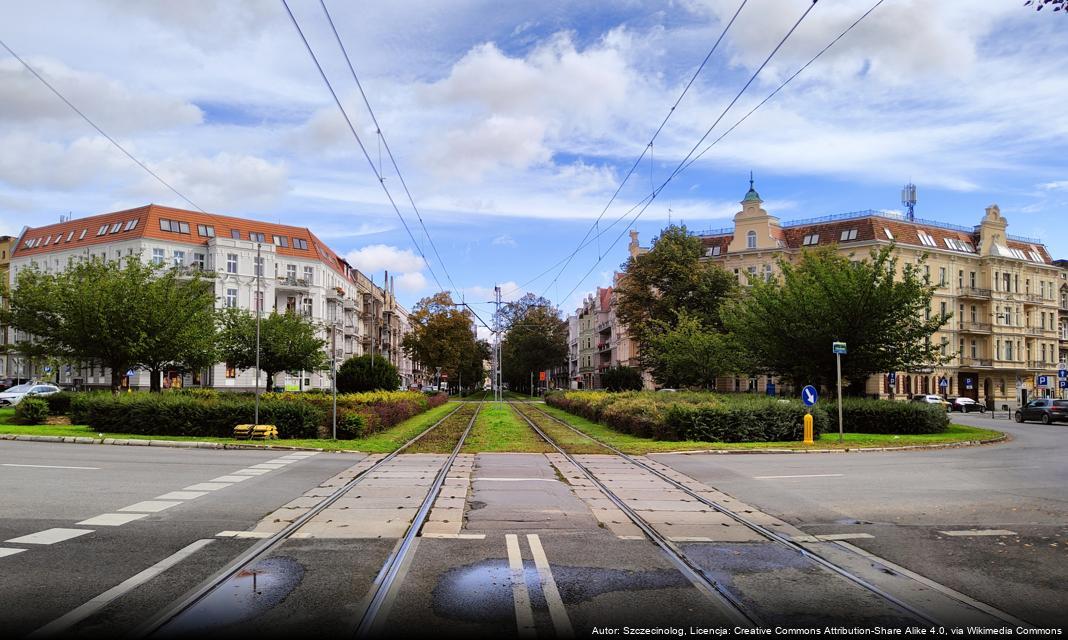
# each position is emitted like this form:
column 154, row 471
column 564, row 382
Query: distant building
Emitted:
column 8, row 359
column 298, row 273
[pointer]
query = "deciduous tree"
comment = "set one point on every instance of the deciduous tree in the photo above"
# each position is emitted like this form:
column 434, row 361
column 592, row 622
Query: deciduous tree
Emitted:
column 442, row 336
column 288, row 342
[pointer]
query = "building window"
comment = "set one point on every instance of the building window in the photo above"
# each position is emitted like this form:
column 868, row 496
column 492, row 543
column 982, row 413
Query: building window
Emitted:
column 300, row 243
column 231, row 371
column 306, row 307
column 179, row 258
column 971, row 279
column 975, row 350
column 750, row 240
column 129, row 225
column 291, row 271
column 198, row 261
column 157, row 257
column 960, row 279
column 258, row 266
column 850, row 234
column 716, row 250
column 103, row 229
column 888, row 234
column 309, row 274
column 811, row 239
column 81, row 236
column 206, row 230
column 231, row 263
column 235, row 234
column 927, row 239
column 259, row 301
column 231, row 298
column 942, row 280
column 256, row 237
column 767, row 273
column 281, row 241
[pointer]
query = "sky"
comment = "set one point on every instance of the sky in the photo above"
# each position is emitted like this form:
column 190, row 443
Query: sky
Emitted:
column 514, row 123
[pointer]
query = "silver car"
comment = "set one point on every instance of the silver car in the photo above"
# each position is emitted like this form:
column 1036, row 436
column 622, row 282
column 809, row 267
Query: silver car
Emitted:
column 15, row 394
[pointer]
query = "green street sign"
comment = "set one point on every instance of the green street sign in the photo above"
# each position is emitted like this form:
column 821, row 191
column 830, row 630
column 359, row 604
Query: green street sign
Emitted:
column 838, row 347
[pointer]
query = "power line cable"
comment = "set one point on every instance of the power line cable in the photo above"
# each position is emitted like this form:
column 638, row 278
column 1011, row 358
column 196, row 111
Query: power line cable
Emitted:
column 366, row 154
column 683, row 163
column 385, row 144
column 98, row 129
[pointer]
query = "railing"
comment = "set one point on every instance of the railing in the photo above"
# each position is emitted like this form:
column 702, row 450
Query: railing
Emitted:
column 1038, row 331
column 974, row 292
column 975, row 327
column 290, row 281
column 607, row 324
column 977, row 362
column 1041, row 364
column 604, row 346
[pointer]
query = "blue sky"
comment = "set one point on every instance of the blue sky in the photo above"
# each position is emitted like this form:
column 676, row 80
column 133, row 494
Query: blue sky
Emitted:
column 513, row 123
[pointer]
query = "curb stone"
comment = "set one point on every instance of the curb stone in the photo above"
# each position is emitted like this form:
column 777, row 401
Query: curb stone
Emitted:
column 175, row 444
column 912, row 447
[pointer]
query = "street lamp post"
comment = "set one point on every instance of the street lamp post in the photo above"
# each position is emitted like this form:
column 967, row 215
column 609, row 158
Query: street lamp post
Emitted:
column 259, row 304
column 333, row 370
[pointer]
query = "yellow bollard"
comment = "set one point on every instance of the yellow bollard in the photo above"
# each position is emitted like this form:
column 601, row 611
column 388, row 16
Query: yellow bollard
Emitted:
column 808, row 428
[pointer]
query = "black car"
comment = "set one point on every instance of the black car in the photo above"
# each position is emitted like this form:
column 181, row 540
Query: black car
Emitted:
column 1044, row 410
column 966, row 405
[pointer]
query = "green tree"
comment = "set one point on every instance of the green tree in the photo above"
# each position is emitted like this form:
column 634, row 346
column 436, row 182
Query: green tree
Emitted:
column 688, row 355
column 671, row 279
column 785, row 326
column 367, row 373
column 441, row 337
column 121, row 314
column 288, row 342
column 535, row 340
column 622, row 379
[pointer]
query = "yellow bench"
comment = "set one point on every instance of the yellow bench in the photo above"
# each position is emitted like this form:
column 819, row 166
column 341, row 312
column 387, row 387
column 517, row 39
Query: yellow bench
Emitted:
column 256, row 432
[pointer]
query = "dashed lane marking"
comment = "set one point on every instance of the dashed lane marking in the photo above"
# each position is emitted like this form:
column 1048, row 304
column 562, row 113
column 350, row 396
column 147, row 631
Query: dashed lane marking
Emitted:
column 557, row 612
column 50, row 536
column 455, row 536
column 980, row 532
column 244, row 534
column 181, row 495
column 477, row 479
column 524, row 614
column 60, row 625
column 7, row 551
column 112, row 519
column 151, row 506
column 230, row 479
column 251, row 472
column 811, row 475
column 207, row 486
column 47, row 466
column 833, row 537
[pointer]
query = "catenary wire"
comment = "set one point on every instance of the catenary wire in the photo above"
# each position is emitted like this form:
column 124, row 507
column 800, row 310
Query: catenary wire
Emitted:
column 384, row 143
column 366, row 154
column 98, row 129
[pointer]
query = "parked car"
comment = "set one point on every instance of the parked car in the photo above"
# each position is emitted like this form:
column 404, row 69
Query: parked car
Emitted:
column 15, row 394
column 1044, row 410
column 931, row 398
column 966, row 405
column 7, row 383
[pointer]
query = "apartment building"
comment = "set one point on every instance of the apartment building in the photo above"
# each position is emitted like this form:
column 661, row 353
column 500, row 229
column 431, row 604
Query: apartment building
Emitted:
column 8, row 358
column 254, row 264
column 1004, row 291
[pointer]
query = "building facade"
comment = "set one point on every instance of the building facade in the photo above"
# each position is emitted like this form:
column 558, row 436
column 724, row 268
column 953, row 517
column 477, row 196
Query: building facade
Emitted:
column 253, row 265
column 8, row 358
column 1007, row 297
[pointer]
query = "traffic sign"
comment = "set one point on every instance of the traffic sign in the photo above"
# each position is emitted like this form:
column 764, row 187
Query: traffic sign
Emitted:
column 1042, row 382
column 1062, row 373
column 809, row 395
column 891, row 378
column 1064, row 384
column 838, row 347
column 48, row 369
column 943, row 383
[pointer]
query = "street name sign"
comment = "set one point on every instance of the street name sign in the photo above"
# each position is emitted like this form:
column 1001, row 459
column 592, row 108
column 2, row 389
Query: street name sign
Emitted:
column 838, row 347
column 809, row 395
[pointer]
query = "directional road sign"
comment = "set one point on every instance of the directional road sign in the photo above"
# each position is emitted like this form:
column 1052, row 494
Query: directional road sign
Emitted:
column 1062, row 373
column 838, row 347
column 809, row 395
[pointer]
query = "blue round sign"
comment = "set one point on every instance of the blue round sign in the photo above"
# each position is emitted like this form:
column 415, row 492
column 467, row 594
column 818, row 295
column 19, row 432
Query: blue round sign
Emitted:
column 809, row 395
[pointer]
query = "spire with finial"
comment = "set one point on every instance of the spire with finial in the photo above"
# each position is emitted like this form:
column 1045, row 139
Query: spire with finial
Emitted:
column 752, row 195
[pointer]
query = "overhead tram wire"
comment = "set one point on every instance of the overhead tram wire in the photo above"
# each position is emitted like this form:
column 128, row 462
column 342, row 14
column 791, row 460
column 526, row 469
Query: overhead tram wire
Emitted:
column 649, row 146
column 682, row 164
column 94, row 125
column 366, row 154
column 384, row 143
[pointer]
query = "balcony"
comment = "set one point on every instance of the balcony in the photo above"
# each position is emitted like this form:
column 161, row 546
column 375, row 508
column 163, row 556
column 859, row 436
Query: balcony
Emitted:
column 975, row 327
column 974, row 292
column 335, row 293
column 1041, row 365
column 604, row 346
column 1038, row 331
column 604, row 326
column 292, row 284
column 977, row 363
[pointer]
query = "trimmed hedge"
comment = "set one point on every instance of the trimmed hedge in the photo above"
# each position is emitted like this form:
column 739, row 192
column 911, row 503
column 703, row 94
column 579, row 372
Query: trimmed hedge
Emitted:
column 295, row 415
column 59, row 403
column 31, row 411
column 889, row 417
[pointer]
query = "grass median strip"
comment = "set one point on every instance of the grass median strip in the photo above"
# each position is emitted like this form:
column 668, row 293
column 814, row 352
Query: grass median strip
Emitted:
column 635, row 445
column 444, row 438
column 498, row 428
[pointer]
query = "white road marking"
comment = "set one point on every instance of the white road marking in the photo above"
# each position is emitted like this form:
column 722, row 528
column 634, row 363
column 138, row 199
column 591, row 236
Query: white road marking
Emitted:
column 50, row 536
column 207, row 486
column 151, row 506
column 548, row 587
column 244, row 534
column 524, row 614
column 7, row 551
column 980, row 532
column 516, row 479
column 47, row 466
column 982, row 606
column 267, row 466
column 834, row 537
column 251, row 472
column 112, row 519
column 230, row 478
column 181, row 495
column 456, row 536
column 60, row 625
column 813, row 475
column 281, row 461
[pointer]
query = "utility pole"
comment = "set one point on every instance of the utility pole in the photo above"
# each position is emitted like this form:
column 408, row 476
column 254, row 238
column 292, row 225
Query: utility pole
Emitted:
column 333, row 369
column 259, row 305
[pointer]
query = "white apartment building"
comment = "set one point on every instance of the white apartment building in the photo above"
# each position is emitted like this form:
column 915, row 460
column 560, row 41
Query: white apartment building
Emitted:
column 289, row 266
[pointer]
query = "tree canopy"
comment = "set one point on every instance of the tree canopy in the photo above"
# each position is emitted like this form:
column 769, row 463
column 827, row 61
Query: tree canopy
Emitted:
column 442, row 337
column 688, row 355
column 535, row 340
column 367, row 373
column 288, row 342
column 785, row 326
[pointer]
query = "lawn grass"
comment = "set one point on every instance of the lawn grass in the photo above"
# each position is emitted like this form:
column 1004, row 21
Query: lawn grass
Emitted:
column 565, row 438
column 633, row 444
column 498, row 428
column 444, row 438
column 383, row 442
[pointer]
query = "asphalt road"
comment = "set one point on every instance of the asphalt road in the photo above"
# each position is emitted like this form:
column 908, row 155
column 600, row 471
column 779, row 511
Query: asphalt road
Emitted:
column 55, row 486
column 907, row 500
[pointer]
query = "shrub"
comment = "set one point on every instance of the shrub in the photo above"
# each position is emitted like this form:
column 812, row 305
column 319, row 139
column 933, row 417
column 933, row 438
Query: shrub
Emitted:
column 350, row 425
column 622, row 379
column 367, row 373
column 889, row 417
column 59, row 403
column 31, row 411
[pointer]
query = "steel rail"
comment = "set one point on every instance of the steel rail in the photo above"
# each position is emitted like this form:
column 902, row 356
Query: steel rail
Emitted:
column 735, row 610
column 266, row 545
column 387, row 576
column 770, row 534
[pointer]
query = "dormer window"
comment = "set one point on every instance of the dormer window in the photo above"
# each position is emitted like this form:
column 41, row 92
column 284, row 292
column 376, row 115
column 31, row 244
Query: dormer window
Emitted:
column 850, row 234
column 750, row 240
column 811, row 239
column 927, row 239
column 889, row 235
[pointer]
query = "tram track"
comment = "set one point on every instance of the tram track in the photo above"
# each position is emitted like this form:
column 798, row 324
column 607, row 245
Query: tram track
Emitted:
column 458, row 421
column 769, row 534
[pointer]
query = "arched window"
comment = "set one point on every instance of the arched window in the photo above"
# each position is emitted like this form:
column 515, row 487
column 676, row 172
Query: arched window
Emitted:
column 750, row 240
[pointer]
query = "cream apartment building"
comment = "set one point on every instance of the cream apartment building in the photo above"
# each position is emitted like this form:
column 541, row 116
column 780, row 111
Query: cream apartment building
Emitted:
column 1008, row 298
column 288, row 266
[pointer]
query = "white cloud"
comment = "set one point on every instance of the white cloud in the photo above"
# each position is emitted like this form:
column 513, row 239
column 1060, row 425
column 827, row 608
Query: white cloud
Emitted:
column 28, row 162
column 1059, row 185
column 221, row 182
column 504, row 240
column 381, row 257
